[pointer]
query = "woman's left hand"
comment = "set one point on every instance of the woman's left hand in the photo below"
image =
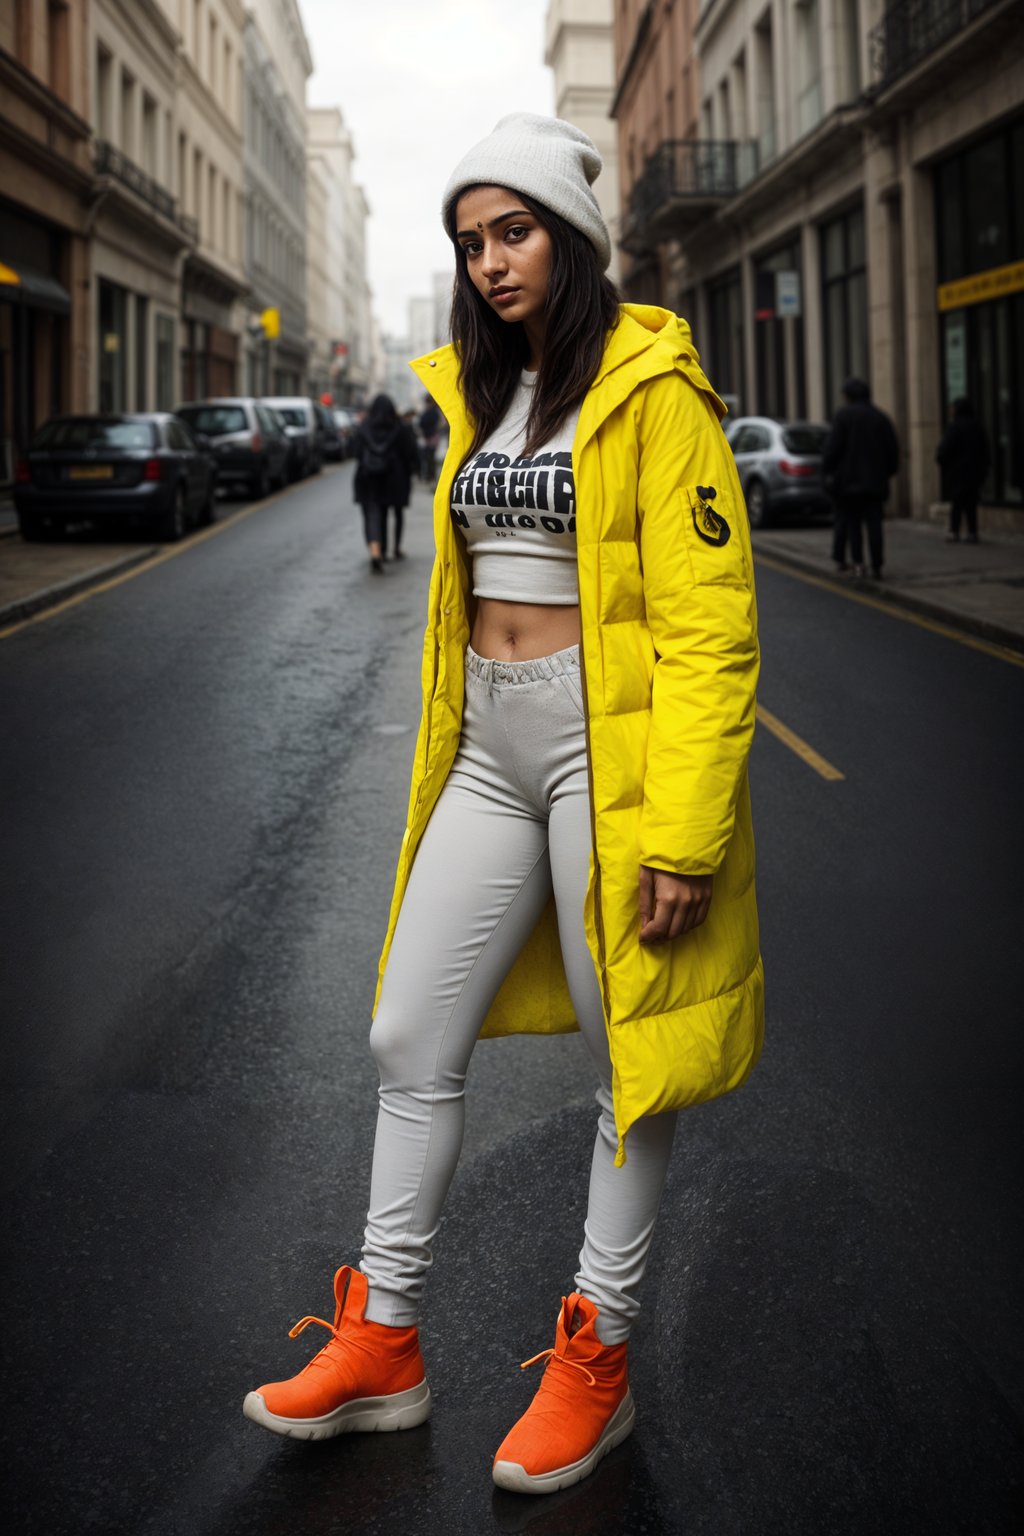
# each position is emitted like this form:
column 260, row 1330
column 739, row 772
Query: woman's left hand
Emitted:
column 671, row 904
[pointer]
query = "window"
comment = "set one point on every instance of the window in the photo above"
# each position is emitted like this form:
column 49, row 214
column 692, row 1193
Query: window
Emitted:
column 127, row 141
column 113, row 347
column 141, row 352
column 104, row 90
column 844, row 303
column 726, row 340
column 60, row 45
column 849, row 50
column 764, row 88
column 808, row 65
column 164, row 362
column 150, row 162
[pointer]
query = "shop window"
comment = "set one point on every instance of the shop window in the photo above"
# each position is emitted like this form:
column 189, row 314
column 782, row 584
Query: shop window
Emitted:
column 726, row 338
column 987, row 205
column 844, row 303
column 113, row 347
column 165, row 363
column 141, row 352
column 778, row 338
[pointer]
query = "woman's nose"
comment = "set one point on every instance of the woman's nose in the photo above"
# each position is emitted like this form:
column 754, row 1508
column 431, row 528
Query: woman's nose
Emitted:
column 494, row 263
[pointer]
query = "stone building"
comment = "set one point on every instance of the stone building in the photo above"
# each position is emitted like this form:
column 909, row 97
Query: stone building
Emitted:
column 580, row 51
column 46, row 207
column 209, row 181
column 339, row 331
column 140, row 236
column 277, row 67
column 852, row 204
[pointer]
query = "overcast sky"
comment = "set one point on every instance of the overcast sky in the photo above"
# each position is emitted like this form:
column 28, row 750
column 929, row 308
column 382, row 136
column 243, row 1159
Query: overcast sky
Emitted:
column 418, row 84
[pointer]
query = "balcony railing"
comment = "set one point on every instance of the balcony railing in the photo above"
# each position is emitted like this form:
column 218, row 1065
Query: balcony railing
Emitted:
column 912, row 29
column 685, row 179
column 109, row 161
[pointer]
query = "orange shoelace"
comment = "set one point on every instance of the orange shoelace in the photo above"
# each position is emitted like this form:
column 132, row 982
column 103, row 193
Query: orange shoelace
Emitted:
column 304, row 1323
column 556, row 1359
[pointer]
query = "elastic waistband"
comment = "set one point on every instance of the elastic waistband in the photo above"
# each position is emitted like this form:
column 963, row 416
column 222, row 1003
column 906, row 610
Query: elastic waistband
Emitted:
column 534, row 671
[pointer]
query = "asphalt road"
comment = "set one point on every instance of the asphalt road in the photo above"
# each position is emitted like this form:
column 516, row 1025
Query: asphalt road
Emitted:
column 201, row 798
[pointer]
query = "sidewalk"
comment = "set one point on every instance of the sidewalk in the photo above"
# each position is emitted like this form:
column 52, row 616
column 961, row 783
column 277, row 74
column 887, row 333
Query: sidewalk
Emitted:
column 38, row 576
column 975, row 587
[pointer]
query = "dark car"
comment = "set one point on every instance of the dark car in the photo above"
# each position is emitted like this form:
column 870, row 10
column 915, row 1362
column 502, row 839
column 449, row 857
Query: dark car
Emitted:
column 779, row 464
column 115, row 469
column 300, row 423
column 328, row 436
column 250, row 445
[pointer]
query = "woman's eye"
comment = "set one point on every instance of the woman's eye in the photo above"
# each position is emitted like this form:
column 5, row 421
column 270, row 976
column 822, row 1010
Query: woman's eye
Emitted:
column 472, row 247
column 516, row 231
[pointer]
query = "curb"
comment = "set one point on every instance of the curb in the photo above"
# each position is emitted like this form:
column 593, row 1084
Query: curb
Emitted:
column 49, row 597
column 981, row 629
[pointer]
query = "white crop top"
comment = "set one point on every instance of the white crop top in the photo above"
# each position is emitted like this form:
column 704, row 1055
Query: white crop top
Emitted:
column 518, row 515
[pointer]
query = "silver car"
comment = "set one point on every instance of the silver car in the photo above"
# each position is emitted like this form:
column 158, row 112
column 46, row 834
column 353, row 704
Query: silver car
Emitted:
column 779, row 464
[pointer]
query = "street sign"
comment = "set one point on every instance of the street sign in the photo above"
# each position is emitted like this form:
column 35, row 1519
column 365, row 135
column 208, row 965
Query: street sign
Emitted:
column 787, row 295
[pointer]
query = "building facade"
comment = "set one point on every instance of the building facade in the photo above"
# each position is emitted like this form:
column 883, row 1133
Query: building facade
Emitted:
column 579, row 49
column 209, row 183
column 141, row 237
column 46, row 208
column 277, row 67
column 851, row 205
column 340, row 335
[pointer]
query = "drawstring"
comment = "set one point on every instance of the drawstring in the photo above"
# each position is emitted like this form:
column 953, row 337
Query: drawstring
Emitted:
column 556, row 1359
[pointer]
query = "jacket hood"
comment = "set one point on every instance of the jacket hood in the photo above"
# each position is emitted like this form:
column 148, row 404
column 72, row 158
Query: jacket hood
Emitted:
column 647, row 341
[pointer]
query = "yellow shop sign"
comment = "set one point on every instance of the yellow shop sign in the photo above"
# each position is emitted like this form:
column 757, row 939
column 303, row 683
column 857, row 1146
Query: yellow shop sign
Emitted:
column 993, row 284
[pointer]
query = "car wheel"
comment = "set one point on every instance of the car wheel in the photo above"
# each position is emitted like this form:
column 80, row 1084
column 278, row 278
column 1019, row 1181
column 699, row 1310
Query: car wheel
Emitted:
column 757, row 504
column 173, row 525
column 260, row 483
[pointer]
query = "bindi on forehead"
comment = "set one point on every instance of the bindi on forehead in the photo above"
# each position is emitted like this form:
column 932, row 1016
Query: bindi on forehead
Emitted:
column 479, row 225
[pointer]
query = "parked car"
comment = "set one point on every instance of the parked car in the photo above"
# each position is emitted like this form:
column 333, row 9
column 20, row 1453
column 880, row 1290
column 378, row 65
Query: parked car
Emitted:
column 345, row 421
column 328, row 437
column 300, row 423
column 111, row 470
column 250, row 446
column 779, row 464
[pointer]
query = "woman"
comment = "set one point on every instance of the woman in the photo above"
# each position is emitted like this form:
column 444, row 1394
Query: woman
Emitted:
column 579, row 808
column 381, row 447
column 408, row 464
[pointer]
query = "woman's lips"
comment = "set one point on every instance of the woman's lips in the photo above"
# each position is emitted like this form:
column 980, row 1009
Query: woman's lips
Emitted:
column 503, row 295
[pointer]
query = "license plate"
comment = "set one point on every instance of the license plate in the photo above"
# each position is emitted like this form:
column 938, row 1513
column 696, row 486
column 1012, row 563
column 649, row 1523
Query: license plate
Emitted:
column 91, row 472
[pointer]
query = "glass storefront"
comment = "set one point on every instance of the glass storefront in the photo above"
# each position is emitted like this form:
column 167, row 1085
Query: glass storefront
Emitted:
column 979, row 201
column 844, row 304
column 725, row 350
column 113, row 347
column 779, row 339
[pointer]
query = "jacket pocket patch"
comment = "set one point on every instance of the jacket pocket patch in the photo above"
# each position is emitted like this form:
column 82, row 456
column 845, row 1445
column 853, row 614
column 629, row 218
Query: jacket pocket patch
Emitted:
column 712, row 536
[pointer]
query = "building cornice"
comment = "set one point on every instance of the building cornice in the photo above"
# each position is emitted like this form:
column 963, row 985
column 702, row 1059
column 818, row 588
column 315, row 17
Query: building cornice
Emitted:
column 149, row 25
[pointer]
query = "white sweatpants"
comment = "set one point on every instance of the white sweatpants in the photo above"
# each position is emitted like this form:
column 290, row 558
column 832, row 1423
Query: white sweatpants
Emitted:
column 511, row 824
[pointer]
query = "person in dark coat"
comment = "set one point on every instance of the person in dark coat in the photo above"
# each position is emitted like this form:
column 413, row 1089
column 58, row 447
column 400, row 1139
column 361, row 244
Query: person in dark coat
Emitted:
column 964, row 458
column 409, row 463
column 860, row 457
column 381, row 449
column 430, row 434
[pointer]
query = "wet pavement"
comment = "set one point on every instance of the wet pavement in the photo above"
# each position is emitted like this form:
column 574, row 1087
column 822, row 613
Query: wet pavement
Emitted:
column 200, row 814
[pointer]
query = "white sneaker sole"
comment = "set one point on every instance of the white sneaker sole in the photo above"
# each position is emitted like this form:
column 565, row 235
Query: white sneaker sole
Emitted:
column 510, row 1475
column 402, row 1410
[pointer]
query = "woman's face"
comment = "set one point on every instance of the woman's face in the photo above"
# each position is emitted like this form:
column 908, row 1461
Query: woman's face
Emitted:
column 508, row 253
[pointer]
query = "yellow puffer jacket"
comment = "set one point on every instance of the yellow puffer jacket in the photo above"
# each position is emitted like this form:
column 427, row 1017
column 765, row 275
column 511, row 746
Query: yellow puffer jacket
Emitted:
column 670, row 662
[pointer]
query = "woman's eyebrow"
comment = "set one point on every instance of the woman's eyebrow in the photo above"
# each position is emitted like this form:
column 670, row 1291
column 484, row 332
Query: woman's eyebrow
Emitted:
column 516, row 213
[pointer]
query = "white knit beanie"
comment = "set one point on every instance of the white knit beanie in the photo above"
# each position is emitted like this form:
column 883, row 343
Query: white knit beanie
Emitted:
column 548, row 159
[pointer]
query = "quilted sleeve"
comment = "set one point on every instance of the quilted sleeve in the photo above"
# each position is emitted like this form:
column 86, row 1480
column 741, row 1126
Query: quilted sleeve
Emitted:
column 701, row 610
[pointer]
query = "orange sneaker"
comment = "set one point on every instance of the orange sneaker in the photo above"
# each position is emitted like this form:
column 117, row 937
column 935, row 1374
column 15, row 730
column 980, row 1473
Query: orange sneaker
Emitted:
column 368, row 1376
column 583, row 1408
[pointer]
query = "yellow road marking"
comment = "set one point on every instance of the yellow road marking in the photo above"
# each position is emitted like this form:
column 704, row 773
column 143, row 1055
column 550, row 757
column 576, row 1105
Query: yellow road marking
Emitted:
column 797, row 744
column 987, row 647
column 170, row 553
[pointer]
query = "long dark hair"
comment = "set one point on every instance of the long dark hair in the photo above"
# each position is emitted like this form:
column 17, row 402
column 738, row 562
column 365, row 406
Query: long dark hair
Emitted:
column 382, row 414
column 582, row 307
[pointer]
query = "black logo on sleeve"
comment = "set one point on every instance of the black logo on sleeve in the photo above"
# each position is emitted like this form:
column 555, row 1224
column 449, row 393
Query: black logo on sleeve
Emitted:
column 709, row 525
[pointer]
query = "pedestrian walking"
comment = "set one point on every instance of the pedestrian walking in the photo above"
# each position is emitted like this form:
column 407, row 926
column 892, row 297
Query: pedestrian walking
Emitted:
column 408, row 466
column 380, row 446
column 964, row 458
column 430, row 437
column 579, row 851
column 860, row 456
